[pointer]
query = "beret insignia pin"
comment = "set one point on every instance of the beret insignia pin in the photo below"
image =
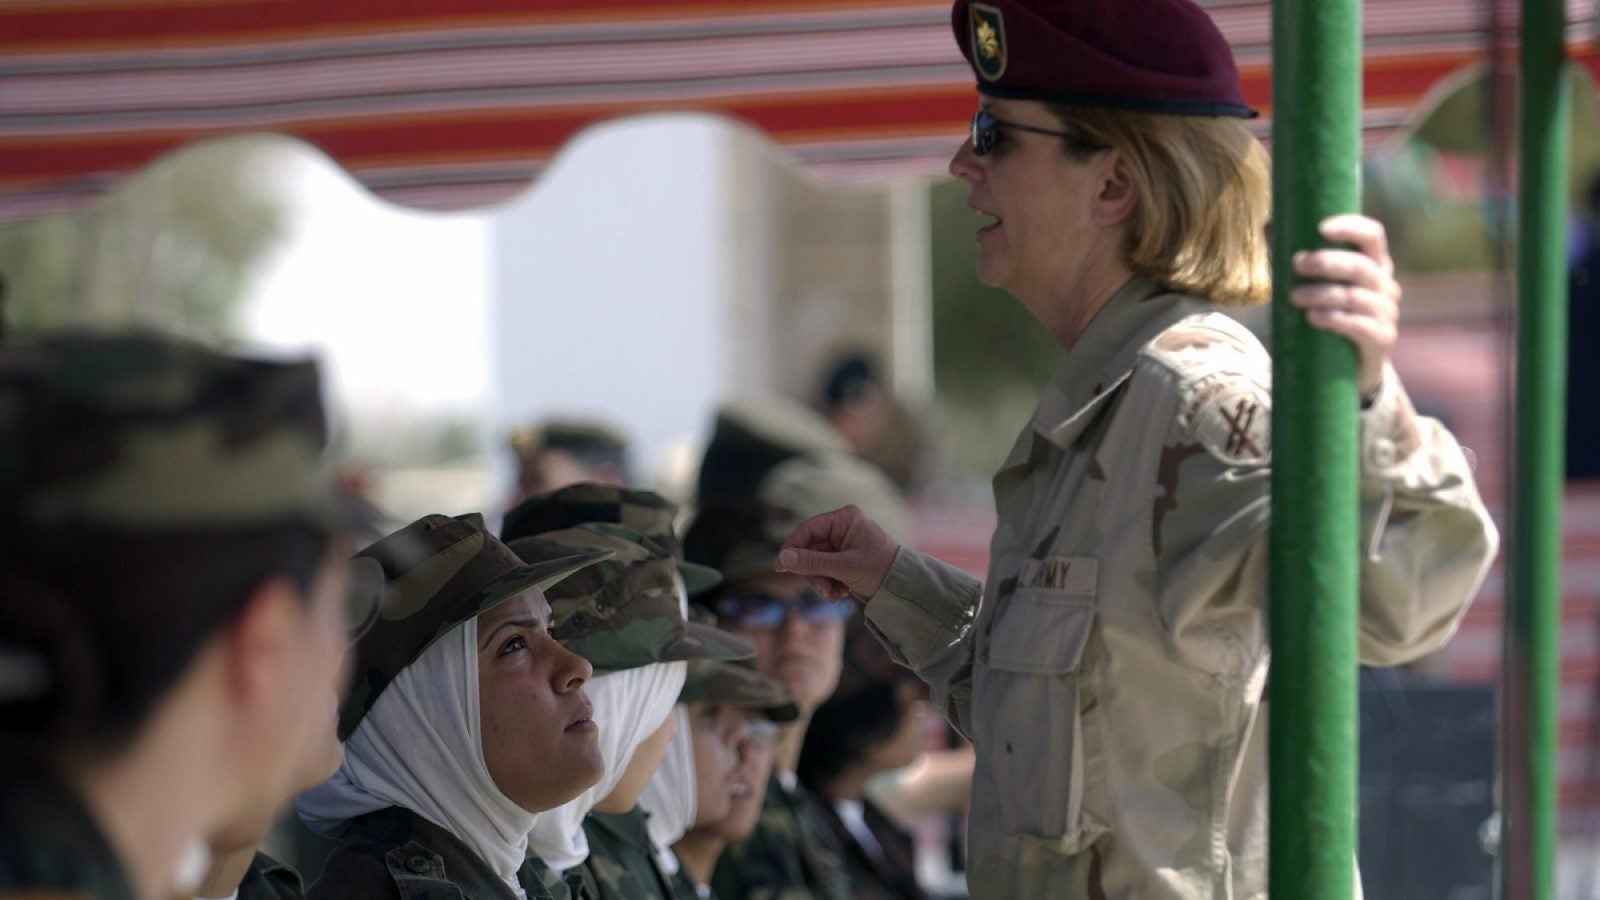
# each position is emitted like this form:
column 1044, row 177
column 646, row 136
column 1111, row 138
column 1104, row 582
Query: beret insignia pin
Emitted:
column 987, row 32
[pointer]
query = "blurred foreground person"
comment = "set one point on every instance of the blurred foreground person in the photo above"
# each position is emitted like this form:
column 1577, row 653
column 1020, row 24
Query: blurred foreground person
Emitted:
column 1110, row 672
column 627, row 617
column 172, row 605
column 734, row 714
column 558, row 452
column 466, row 718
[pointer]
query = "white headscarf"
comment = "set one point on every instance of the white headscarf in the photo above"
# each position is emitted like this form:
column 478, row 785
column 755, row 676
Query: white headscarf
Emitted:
column 421, row 747
column 670, row 798
column 629, row 705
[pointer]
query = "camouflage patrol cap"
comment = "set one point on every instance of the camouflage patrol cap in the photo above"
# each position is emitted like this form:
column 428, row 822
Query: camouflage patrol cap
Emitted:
column 645, row 512
column 142, row 432
column 433, row 575
column 625, row 612
column 738, row 685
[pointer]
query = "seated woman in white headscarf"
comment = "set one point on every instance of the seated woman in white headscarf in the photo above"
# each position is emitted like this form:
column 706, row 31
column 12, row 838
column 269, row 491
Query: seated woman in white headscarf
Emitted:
column 725, row 709
column 465, row 719
column 626, row 616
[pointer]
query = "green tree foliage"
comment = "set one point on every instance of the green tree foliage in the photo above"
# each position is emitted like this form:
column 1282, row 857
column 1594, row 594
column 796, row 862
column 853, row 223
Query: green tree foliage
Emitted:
column 171, row 248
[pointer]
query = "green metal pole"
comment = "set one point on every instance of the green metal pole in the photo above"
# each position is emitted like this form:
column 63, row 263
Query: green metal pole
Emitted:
column 1316, row 88
column 1534, row 603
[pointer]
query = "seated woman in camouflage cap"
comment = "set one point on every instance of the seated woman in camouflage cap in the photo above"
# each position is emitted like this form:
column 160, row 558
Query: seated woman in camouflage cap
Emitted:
column 627, row 617
column 465, row 719
column 728, row 709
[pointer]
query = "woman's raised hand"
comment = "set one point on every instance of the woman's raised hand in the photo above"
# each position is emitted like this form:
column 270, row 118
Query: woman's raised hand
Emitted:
column 841, row 552
column 1357, row 296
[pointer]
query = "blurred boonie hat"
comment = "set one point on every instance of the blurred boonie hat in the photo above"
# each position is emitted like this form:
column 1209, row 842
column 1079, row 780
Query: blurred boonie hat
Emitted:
column 142, row 432
column 738, row 685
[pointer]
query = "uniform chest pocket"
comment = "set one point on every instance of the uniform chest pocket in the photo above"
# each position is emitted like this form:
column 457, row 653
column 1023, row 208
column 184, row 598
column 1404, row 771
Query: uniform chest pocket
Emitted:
column 1032, row 694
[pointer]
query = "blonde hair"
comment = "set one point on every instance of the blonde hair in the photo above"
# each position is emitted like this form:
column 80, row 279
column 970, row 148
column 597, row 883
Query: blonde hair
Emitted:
column 1204, row 187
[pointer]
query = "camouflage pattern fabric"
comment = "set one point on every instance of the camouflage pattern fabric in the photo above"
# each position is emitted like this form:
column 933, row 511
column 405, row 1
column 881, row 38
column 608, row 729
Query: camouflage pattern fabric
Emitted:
column 269, row 879
column 396, row 853
column 49, row 845
column 683, row 888
column 622, row 860
column 1111, row 670
column 625, row 612
column 143, row 432
column 788, row 856
column 738, row 685
column 538, row 880
column 645, row 513
column 433, row 575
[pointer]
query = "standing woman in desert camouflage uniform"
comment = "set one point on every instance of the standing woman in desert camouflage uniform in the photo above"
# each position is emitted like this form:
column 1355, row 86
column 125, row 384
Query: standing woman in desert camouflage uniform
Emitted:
column 1110, row 671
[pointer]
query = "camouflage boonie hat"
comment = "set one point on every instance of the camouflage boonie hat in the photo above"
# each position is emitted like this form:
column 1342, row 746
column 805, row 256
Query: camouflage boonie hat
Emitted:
column 433, row 575
column 626, row 612
column 138, row 431
column 645, row 512
column 738, row 685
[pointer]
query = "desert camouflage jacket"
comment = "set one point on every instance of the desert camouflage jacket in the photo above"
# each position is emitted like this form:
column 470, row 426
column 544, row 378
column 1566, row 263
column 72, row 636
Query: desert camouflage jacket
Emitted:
column 1111, row 670
column 787, row 857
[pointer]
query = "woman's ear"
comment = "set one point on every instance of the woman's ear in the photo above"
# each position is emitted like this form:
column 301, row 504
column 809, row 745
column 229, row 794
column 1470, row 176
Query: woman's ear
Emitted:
column 1118, row 195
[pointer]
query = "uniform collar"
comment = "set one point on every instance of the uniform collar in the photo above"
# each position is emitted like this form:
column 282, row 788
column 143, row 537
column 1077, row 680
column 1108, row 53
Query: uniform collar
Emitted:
column 1104, row 356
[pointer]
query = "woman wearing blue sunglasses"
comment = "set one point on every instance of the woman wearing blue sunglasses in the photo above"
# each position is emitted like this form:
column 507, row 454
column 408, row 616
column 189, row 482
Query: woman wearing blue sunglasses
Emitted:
column 1110, row 671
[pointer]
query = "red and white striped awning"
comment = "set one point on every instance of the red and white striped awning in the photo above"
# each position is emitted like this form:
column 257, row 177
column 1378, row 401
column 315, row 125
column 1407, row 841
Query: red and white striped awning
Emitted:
column 449, row 103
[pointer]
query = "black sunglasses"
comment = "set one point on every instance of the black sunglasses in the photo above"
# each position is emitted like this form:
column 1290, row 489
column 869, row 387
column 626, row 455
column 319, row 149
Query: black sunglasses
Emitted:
column 986, row 134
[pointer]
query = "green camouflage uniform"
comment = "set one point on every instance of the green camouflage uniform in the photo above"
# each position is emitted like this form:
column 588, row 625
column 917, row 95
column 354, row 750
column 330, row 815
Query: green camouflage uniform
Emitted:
column 268, row 879
column 132, row 435
column 683, row 888
column 432, row 576
column 622, row 860
column 1111, row 671
column 395, row 853
column 789, row 856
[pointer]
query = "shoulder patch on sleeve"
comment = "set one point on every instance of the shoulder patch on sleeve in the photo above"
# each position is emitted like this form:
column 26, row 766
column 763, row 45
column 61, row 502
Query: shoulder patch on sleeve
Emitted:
column 1231, row 417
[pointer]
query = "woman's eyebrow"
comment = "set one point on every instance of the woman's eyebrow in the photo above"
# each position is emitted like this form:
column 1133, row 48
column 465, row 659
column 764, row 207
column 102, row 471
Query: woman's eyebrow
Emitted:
column 509, row 623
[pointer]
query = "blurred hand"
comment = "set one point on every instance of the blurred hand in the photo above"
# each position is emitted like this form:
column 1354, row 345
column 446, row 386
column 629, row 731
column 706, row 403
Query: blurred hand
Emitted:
column 1358, row 298
column 841, row 553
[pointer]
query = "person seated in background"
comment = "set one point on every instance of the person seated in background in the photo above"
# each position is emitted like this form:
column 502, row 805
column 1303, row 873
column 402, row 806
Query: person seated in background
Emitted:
column 466, row 718
column 875, row 723
column 557, row 452
column 627, row 617
column 172, row 597
column 697, row 807
column 878, row 427
column 766, row 468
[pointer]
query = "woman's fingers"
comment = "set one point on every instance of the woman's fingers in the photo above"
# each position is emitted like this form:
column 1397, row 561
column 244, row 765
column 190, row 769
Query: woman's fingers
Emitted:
column 841, row 552
column 1353, row 293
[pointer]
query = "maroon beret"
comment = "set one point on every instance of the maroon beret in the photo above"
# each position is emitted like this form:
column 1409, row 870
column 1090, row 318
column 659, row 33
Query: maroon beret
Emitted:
column 1163, row 56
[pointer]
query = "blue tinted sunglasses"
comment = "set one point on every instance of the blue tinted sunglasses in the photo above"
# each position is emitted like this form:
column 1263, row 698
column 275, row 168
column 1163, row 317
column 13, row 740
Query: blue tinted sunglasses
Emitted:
column 764, row 612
